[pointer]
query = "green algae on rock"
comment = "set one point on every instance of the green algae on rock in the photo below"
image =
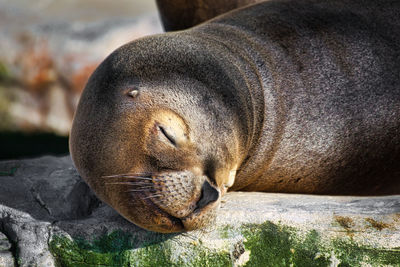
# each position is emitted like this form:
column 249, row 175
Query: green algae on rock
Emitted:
column 275, row 245
column 121, row 249
column 279, row 245
column 268, row 244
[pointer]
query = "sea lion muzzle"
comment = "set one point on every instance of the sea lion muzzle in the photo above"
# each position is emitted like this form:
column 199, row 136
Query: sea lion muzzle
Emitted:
column 181, row 195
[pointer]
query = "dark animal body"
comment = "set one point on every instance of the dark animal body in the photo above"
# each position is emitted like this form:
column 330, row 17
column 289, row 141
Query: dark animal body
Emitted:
column 281, row 96
column 183, row 14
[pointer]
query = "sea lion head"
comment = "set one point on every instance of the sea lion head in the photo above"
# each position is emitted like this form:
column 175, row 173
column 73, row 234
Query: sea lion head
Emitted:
column 154, row 138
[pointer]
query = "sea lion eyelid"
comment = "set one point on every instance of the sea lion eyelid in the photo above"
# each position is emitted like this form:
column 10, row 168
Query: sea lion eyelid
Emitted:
column 170, row 138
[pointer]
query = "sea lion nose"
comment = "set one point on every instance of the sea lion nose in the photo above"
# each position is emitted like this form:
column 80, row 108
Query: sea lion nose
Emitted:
column 209, row 194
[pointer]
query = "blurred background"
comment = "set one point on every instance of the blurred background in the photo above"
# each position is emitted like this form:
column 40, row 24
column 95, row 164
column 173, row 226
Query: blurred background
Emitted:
column 48, row 49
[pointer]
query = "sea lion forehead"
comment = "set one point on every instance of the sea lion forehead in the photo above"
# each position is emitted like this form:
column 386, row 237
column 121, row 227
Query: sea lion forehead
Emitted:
column 169, row 51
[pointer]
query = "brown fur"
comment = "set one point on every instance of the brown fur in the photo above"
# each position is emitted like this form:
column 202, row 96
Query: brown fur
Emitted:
column 183, row 14
column 290, row 96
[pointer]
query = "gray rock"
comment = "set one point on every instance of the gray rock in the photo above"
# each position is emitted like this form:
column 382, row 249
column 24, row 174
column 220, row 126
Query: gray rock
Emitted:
column 6, row 257
column 49, row 217
column 47, row 53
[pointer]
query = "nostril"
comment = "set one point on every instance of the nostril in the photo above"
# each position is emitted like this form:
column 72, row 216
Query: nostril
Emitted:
column 208, row 194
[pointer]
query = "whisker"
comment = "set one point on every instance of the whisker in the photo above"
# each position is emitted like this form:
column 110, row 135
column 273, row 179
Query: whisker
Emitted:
column 143, row 187
column 149, row 180
column 134, row 177
column 131, row 177
column 139, row 185
column 153, row 196
column 154, row 178
column 129, row 183
column 139, row 190
column 138, row 174
column 137, row 177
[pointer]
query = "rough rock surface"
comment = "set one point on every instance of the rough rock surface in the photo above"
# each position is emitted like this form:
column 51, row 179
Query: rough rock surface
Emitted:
column 6, row 257
column 49, row 217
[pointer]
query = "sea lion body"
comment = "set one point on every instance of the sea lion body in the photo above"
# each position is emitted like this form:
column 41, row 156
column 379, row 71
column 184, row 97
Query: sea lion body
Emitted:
column 281, row 96
column 182, row 14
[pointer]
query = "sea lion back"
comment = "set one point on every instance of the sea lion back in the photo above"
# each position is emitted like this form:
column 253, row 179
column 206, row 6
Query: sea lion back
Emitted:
column 330, row 74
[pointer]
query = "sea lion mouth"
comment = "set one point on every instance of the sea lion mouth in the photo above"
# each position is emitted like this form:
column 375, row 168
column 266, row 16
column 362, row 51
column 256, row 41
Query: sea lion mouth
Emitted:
column 201, row 216
column 202, row 213
column 205, row 210
column 166, row 224
column 174, row 201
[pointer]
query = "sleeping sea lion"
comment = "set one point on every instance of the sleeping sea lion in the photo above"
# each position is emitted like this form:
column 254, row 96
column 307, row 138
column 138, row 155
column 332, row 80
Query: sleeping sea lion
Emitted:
column 295, row 96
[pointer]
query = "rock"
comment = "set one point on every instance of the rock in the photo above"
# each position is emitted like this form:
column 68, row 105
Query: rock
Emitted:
column 49, row 217
column 6, row 257
column 47, row 55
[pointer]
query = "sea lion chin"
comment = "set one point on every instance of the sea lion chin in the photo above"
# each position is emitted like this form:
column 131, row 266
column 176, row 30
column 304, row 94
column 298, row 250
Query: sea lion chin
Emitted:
column 282, row 96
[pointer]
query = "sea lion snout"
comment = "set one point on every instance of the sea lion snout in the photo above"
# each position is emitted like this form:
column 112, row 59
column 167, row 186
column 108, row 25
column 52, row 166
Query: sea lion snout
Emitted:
column 184, row 201
column 209, row 194
column 182, row 194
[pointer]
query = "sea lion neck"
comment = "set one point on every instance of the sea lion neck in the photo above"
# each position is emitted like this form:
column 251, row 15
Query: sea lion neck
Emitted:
column 236, row 74
column 254, row 89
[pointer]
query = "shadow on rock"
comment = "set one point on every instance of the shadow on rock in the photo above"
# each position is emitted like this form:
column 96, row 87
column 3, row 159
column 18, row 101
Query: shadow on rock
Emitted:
column 47, row 196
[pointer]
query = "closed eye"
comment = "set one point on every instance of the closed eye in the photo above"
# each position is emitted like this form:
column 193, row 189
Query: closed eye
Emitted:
column 170, row 138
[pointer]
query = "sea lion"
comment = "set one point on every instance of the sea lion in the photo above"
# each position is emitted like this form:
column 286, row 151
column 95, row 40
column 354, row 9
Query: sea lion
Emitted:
column 183, row 14
column 294, row 96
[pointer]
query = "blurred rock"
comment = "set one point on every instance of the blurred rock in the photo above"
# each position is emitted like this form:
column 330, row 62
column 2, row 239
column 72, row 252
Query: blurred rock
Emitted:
column 50, row 217
column 46, row 60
